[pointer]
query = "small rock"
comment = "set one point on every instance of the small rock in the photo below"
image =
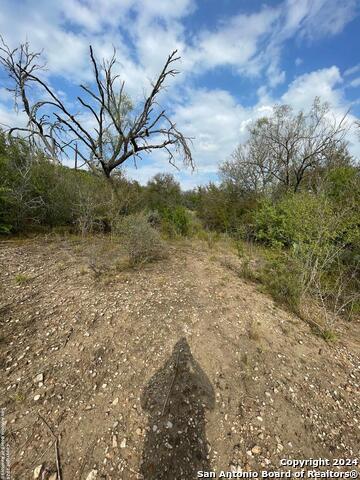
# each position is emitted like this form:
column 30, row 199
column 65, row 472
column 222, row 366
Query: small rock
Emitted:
column 53, row 476
column 138, row 431
column 114, row 441
column 123, row 443
column 256, row 450
column 39, row 378
column 155, row 428
column 37, row 471
column 169, row 425
column 92, row 475
column 235, row 468
column 116, row 401
column 36, row 398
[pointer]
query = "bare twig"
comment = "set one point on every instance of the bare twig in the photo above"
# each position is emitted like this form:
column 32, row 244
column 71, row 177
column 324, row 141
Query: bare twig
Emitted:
column 68, row 336
column 57, row 448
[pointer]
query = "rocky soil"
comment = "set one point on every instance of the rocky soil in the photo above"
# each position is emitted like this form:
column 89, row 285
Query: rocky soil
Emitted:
column 161, row 371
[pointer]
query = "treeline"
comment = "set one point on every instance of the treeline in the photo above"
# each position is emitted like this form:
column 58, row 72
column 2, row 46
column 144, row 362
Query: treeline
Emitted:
column 38, row 194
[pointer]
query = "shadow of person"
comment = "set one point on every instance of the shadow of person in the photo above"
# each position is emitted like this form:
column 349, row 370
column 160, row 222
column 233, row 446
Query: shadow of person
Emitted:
column 175, row 400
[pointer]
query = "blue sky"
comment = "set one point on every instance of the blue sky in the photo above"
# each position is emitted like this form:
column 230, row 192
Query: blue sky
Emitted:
column 239, row 58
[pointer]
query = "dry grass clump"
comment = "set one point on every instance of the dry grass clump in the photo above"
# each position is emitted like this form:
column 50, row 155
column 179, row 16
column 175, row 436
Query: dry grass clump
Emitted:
column 141, row 241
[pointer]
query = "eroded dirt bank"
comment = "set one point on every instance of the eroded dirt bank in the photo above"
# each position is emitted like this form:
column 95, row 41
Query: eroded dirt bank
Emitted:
column 180, row 363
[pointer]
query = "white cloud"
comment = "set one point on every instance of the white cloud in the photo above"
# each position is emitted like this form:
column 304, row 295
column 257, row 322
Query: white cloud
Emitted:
column 214, row 119
column 355, row 83
column 275, row 76
column 325, row 17
column 165, row 9
column 251, row 43
column 216, row 122
column 11, row 118
column 236, row 42
column 93, row 16
column 322, row 83
column 5, row 95
column 352, row 70
column 304, row 19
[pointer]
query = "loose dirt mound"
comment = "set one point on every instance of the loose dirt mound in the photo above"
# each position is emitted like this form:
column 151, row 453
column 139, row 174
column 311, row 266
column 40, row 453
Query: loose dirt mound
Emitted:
column 159, row 372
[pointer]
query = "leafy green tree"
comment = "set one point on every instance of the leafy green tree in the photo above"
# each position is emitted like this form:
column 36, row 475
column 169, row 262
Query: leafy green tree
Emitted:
column 162, row 191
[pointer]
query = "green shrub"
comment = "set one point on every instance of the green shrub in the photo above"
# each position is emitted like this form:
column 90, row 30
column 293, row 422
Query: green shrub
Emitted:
column 329, row 336
column 246, row 270
column 343, row 184
column 21, row 279
column 239, row 245
column 175, row 221
column 282, row 277
column 293, row 220
column 142, row 242
column 37, row 192
column 162, row 192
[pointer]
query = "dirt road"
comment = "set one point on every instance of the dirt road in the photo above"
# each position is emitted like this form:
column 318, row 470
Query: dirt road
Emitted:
column 163, row 371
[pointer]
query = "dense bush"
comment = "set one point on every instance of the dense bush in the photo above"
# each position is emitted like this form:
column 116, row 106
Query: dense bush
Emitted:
column 317, row 240
column 282, row 276
column 162, row 192
column 141, row 241
column 175, row 221
column 223, row 208
column 35, row 191
column 293, row 220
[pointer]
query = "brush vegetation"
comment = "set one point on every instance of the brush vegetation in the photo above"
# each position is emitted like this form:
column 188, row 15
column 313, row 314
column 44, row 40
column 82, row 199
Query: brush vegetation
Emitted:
column 293, row 215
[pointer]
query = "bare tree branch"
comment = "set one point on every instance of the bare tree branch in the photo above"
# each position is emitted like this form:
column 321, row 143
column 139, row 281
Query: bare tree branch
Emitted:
column 112, row 135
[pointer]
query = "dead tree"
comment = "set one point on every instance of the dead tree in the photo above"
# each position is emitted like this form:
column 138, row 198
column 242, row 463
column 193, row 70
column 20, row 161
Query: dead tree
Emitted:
column 21, row 66
column 115, row 135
